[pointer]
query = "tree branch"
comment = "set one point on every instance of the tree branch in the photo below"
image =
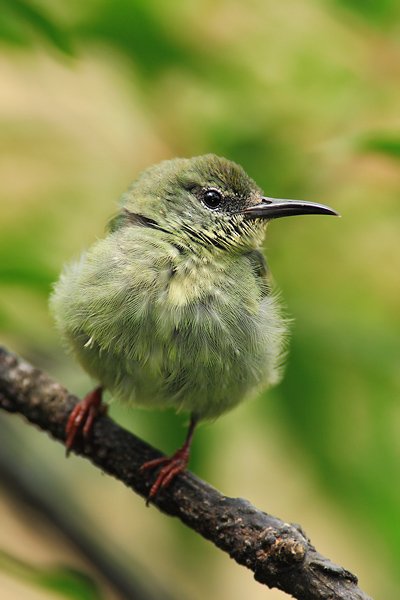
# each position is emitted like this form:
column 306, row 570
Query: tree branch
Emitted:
column 279, row 554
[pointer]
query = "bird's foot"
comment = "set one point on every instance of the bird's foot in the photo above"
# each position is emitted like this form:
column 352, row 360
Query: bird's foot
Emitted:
column 82, row 417
column 173, row 465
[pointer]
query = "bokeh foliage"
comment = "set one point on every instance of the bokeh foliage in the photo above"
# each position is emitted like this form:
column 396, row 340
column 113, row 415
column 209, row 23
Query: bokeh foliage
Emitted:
column 62, row 581
column 305, row 96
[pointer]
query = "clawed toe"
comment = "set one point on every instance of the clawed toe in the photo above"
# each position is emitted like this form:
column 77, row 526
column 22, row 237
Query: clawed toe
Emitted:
column 156, row 462
column 82, row 417
column 172, row 467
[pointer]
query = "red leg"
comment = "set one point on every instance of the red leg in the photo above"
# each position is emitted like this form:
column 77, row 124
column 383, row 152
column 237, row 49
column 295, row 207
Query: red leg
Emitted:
column 82, row 417
column 173, row 465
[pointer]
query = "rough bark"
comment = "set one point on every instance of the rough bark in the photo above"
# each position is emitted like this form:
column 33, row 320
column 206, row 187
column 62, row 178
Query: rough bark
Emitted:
column 279, row 554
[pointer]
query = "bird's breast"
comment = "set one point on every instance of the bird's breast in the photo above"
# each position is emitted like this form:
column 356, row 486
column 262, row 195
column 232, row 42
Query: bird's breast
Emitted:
column 218, row 284
column 159, row 328
column 192, row 280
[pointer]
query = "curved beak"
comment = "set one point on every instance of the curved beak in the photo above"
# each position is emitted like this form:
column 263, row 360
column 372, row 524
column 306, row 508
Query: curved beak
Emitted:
column 274, row 208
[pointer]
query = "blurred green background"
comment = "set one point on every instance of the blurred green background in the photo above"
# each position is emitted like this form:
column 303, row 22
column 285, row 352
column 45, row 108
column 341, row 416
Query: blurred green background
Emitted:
column 305, row 95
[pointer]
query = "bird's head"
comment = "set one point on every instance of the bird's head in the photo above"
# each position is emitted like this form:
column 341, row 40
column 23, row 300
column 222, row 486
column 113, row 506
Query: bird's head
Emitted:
column 207, row 202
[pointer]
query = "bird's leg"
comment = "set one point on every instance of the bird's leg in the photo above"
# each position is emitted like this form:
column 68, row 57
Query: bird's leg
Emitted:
column 173, row 465
column 83, row 415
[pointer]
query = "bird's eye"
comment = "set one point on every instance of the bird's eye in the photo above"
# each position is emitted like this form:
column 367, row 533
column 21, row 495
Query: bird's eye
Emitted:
column 212, row 198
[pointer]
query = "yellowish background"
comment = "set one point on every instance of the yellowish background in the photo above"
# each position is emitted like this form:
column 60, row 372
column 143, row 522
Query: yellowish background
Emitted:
column 305, row 95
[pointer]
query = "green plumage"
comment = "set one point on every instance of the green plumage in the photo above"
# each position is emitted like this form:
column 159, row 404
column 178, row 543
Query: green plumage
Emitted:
column 173, row 307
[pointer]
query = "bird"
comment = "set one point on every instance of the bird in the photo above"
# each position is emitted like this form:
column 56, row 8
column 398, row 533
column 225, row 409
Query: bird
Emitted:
column 174, row 306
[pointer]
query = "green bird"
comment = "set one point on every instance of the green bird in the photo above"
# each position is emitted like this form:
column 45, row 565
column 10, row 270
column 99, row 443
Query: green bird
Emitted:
column 174, row 306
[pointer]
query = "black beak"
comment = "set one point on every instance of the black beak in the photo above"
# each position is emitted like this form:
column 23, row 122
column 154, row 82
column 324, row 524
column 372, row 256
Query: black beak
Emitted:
column 274, row 208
